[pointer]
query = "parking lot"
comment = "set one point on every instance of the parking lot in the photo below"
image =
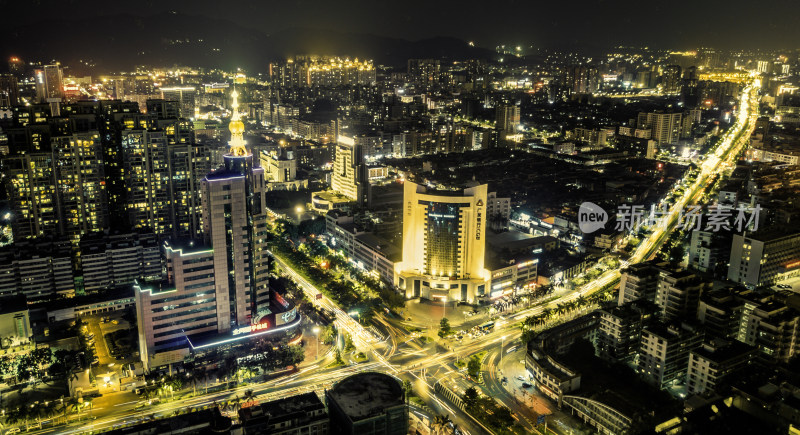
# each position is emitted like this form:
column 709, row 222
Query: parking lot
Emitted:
column 101, row 330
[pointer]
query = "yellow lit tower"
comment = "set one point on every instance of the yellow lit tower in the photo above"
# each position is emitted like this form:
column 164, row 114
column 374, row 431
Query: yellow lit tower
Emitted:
column 238, row 147
column 234, row 224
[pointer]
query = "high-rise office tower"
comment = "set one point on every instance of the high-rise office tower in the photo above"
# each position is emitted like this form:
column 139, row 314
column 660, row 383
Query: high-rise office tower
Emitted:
column 671, row 79
column 234, row 224
column 665, row 127
column 507, row 124
column 184, row 95
column 16, row 65
column 444, row 243
column 349, row 176
column 424, row 72
column 49, row 83
column 507, row 118
column 583, row 79
column 9, row 90
column 163, row 325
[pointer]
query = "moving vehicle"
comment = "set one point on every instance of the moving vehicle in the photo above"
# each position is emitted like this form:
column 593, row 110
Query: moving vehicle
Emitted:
column 488, row 326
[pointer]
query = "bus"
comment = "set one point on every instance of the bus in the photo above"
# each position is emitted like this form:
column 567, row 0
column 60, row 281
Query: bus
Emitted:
column 486, row 326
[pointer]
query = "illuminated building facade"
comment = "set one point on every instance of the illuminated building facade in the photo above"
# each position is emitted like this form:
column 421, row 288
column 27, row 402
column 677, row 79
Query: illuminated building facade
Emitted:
column 322, row 72
column 184, row 303
column 764, row 258
column 162, row 168
column 185, row 96
column 424, row 72
column 111, row 260
column 583, row 79
column 38, row 269
column 665, row 127
column 507, row 118
column 9, row 90
column 49, row 82
column 349, row 176
column 216, row 291
column 60, row 191
column 444, row 243
column 234, row 219
column 671, row 79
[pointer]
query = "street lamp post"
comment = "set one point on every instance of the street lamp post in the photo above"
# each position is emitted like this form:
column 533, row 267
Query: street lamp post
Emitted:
column 502, row 345
column 316, row 332
column 299, row 211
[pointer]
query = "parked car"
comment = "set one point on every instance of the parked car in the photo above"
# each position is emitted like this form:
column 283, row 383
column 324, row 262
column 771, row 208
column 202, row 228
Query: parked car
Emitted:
column 526, row 385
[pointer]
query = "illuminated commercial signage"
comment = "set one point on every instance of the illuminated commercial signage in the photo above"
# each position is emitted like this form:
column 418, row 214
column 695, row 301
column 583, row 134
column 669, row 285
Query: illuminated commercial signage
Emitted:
column 289, row 315
column 251, row 328
column 478, row 218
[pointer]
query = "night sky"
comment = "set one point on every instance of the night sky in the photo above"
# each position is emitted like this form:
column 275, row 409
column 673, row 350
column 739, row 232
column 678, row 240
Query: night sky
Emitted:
column 667, row 24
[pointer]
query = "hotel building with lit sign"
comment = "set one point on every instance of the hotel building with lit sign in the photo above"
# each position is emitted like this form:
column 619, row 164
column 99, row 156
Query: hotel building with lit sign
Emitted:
column 444, row 244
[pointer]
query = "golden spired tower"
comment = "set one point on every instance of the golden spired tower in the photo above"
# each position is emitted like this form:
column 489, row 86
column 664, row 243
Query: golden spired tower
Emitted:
column 237, row 145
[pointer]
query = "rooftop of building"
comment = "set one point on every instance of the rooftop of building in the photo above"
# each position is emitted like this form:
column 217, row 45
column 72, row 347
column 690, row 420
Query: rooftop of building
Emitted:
column 116, row 239
column 223, row 174
column 381, row 245
column 646, row 268
column 107, row 295
column 632, row 309
column 510, row 239
column 285, row 409
column 720, row 352
column 36, row 248
column 329, row 195
column 775, row 232
column 364, row 395
column 671, row 331
column 191, row 422
column 13, row 304
column 187, row 245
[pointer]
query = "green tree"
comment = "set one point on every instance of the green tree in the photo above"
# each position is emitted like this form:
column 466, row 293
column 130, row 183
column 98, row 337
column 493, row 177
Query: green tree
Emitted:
column 501, row 417
column 470, row 397
column 444, row 327
column 474, row 367
column 408, row 389
column 348, row 343
column 328, row 335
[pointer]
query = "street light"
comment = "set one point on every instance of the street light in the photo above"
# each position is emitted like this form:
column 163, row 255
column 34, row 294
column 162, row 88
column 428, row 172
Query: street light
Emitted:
column 317, row 331
column 502, row 345
column 299, row 211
